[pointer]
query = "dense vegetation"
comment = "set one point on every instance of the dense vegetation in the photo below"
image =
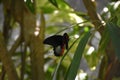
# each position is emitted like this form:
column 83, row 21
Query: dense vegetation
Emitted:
column 94, row 46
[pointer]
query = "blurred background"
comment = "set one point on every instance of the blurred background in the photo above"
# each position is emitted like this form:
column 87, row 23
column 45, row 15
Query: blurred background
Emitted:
column 44, row 18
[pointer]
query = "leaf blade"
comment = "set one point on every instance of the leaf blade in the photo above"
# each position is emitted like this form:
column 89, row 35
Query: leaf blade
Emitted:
column 72, row 71
column 114, row 32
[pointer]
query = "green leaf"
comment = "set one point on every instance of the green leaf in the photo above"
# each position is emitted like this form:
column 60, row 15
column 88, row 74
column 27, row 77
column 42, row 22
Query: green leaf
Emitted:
column 61, row 4
column 72, row 70
column 104, row 41
column 54, row 2
column 48, row 9
column 93, row 56
column 30, row 5
column 58, row 66
column 114, row 32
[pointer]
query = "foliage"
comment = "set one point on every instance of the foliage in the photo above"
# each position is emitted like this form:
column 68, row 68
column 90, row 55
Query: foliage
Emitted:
column 114, row 34
column 59, row 17
column 72, row 70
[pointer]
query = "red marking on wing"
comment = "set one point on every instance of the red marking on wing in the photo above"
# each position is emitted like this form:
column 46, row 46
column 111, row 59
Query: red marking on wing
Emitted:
column 62, row 51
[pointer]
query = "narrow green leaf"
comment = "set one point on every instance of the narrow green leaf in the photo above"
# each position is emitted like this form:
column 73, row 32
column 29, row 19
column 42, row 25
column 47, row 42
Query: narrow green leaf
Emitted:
column 30, row 5
column 104, row 41
column 58, row 66
column 54, row 2
column 72, row 70
column 114, row 32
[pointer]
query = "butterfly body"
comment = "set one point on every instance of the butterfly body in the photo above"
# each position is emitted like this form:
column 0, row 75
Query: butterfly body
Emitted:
column 58, row 42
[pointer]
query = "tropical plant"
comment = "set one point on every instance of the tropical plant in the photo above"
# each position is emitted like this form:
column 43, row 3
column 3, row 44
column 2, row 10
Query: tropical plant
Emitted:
column 93, row 46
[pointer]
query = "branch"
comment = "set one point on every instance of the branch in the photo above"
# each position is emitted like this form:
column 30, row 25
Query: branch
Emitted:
column 7, row 61
column 15, row 45
column 93, row 15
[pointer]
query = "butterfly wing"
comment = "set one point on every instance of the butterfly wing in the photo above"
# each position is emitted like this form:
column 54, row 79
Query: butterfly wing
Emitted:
column 54, row 41
column 58, row 42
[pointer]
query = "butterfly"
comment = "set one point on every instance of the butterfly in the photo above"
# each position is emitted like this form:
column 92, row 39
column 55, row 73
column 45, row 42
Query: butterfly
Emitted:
column 58, row 42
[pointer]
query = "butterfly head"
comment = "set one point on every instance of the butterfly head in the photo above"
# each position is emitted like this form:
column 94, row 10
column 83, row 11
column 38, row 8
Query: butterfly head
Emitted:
column 65, row 40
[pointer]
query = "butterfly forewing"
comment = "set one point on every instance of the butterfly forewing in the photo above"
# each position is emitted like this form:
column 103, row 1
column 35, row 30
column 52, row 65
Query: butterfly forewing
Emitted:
column 55, row 40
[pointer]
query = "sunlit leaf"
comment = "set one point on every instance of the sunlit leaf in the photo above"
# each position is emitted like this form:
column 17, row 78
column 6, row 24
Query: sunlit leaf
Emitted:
column 94, row 56
column 114, row 32
column 73, row 68
column 48, row 9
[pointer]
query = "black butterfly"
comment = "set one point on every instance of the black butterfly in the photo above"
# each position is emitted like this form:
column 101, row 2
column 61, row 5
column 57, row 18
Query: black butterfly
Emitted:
column 58, row 42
